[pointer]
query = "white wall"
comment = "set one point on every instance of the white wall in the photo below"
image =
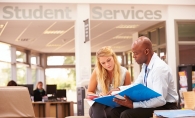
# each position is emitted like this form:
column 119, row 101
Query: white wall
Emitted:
column 155, row 2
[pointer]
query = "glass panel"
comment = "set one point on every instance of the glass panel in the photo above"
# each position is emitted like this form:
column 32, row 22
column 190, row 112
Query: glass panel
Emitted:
column 144, row 34
column 5, row 72
column 93, row 60
column 5, row 52
column 119, row 58
column 187, row 54
column 34, row 76
column 33, row 60
column 129, row 58
column 21, row 74
column 64, row 78
column 186, row 31
column 163, row 54
column 60, row 60
column 162, row 35
column 20, row 56
column 153, row 38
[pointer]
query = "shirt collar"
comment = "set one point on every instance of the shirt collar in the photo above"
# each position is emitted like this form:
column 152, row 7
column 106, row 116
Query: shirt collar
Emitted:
column 151, row 63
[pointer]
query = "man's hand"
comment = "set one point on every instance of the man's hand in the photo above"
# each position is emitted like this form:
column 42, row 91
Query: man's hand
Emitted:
column 127, row 102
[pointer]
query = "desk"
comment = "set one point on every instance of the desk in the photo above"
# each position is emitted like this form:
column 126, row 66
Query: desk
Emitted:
column 53, row 109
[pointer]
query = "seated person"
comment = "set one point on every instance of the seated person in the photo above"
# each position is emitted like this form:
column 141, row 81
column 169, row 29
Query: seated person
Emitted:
column 39, row 93
column 156, row 75
column 107, row 75
column 12, row 83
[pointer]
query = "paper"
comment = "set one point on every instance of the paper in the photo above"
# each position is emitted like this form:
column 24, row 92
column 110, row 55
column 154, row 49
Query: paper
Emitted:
column 189, row 100
column 136, row 93
column 183, row 79
column 174, row 113
column 90, row 102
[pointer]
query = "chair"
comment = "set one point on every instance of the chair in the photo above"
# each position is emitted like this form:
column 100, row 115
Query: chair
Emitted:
column 15, row 101
column 189, row 99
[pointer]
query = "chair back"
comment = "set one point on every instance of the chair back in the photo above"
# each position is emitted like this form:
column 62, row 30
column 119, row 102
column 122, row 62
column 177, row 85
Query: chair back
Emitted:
column 15, row 101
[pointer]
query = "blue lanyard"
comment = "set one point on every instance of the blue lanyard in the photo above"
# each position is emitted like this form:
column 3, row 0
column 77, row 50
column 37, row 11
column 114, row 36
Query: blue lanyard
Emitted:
column 145, row 76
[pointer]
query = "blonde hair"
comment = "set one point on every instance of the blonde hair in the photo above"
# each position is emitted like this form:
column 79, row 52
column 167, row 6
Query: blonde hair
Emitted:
column 102, row 74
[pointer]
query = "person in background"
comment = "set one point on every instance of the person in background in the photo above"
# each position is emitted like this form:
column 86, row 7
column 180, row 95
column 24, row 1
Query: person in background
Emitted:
column 156, row 75
column 107, row 75
column 39, row 93
column 12, row 83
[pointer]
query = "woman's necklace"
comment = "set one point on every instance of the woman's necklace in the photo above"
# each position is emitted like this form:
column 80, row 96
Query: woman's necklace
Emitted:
column 111, row 79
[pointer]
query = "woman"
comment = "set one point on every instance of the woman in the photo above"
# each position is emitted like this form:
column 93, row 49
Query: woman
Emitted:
column 107, row 75
column 39, row 92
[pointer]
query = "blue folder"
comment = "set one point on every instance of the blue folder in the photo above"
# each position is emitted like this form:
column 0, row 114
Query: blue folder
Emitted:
column 136, row 93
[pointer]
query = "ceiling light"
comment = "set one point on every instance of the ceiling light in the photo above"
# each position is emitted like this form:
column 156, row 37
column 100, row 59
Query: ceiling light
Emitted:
column 122, row 37
column 54, row 32
column 1, row 26
column 26, row 39
column 127, row 26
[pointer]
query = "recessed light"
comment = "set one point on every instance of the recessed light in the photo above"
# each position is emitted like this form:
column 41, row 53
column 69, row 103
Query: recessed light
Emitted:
column 1, row 26
column 54, row 32
column 26, row 39
column 127, row 26
column 122, row 37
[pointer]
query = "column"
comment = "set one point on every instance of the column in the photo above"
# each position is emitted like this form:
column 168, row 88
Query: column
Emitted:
column 82, row 50
column 29, row 71
column 172, row 47
column 13, row 64
column 136, row 67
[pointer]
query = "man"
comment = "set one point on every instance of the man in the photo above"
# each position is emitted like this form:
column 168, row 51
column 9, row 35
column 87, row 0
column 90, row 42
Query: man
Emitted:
column 156, row 75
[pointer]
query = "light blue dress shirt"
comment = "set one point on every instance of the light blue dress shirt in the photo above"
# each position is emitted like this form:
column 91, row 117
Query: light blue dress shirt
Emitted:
column 158, row 78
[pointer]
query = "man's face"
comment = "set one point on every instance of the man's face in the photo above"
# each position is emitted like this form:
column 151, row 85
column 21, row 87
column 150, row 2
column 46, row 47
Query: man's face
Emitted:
column 139, row 54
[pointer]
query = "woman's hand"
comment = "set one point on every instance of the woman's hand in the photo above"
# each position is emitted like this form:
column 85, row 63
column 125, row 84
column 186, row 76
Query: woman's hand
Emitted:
column 91, row 96
column 110, row 92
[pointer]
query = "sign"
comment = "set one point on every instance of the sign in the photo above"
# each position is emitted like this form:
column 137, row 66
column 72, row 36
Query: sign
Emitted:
column 128, row 12
column 37, row 12
column 86, row 26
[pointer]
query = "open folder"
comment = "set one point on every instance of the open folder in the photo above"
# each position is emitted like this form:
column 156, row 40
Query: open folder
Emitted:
column 136, row 93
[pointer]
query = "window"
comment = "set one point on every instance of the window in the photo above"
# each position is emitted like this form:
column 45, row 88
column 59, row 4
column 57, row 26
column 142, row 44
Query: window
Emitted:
column 93, row 60
column 20, row 56
column 119, row 58
column 60, row 60
column 153, row 38
column 186, row 31
column 162, row 35
column 187, row 54
column 5, row 72
column 34, row 76
column 186, row 37
column 5, row 52
column 33, row 60
column 64, row 78
column 21, row 73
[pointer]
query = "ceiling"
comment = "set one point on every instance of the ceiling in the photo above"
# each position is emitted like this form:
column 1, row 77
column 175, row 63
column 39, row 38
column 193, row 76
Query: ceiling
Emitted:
column 31, row 34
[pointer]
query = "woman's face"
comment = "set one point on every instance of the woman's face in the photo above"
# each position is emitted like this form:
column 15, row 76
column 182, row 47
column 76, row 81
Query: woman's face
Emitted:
column 107, row 62
column 40, row 86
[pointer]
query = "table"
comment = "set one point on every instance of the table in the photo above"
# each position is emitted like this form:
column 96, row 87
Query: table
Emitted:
column 56, row 109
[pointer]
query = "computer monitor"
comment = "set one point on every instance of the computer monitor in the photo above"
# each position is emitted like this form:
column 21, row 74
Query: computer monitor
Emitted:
column 61, row 93
column 29, row 86
column 51, row 89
